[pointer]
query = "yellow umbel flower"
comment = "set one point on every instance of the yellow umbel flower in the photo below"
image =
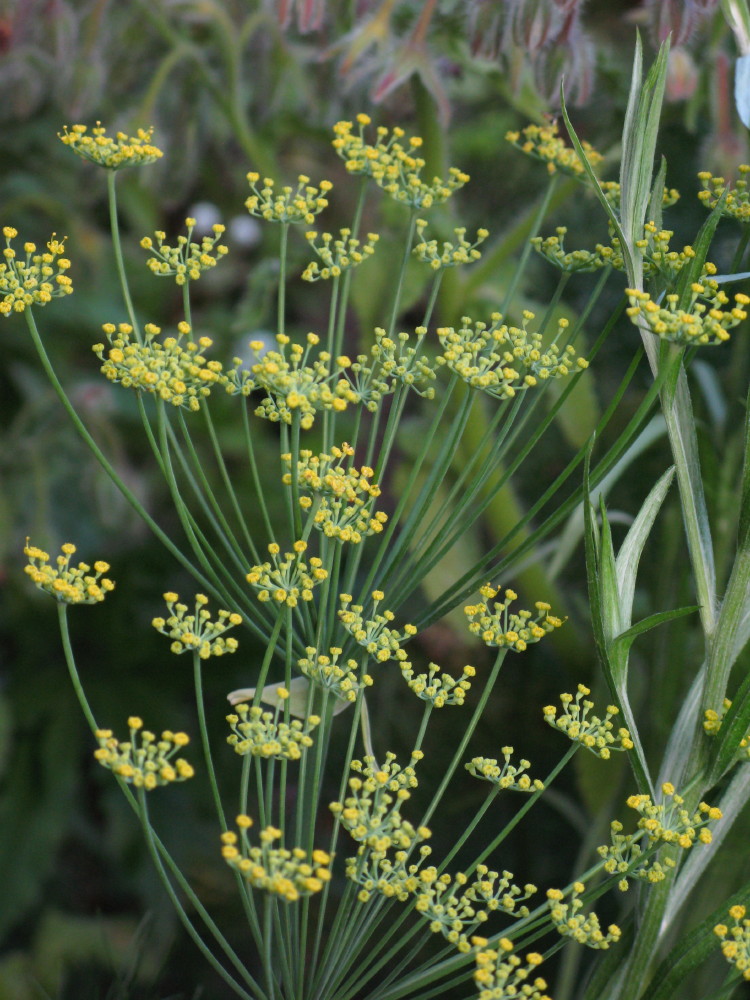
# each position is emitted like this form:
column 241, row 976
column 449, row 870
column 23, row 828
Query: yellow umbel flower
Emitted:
column 501, row 975
column 570, row 922
column 288, row 874
column 669, row 822
column 500, row 628
column 552, row 248
column 374, row 634
column 624, row 856
column 505, row 775
column 394, row 166
column 289, row 579
column 372, row 812
column 144, row 760
column 438, row 688
column 593, row 733
column 174, row 368
column 503, row 360
column 112, row 153
column 197, row 632
column 737, row 202
column 704, row 322
column 542, row 142
column 344, row 498
column 258, row 732
column 294, row 382
column 287, row 205
column 398, row 361
column 337, row 255
column 342, row 678
column 36, row 278
column 447, row 253
column 713, row 722
column 735, row 941
column 68, row 584
column 188, row 260
column 367, row 382
column 456, row 907
column 612, row 192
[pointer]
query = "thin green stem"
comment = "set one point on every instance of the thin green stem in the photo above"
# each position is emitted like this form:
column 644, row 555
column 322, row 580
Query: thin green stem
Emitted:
column 203, row 727
column 117, row 246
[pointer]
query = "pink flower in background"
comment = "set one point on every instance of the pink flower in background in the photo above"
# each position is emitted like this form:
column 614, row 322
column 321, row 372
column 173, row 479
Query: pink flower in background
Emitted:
column 310, row 13
column 682, row 75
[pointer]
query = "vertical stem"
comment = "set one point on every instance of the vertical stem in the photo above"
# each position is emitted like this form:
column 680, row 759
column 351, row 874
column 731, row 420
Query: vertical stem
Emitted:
column 198, row 681
column 117, row 246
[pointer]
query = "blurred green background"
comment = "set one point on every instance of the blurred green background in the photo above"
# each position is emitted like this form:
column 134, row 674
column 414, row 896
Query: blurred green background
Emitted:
column 234, row 85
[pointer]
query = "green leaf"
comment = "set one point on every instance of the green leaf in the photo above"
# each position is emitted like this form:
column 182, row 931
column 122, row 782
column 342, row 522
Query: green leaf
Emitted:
column 625, row 640
column 638, row 148
column 610, row 598
column 726, row 744
column 656, row 203
column 701, row 245
column 631, row 549
column 615, row 674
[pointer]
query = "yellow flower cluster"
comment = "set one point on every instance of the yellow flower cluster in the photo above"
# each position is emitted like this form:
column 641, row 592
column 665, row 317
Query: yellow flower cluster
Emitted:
column 543, row 142
column 502, row 360
column 402, row 363
column 612, row 192
column 436, row 687
column 144, row 760
column 293, row 384
column 113, row 153
column 368, row 386
column 372, row 812
column 737, row 203
column 501, row 975
column 289, row 205
column 173, row 368
column 713, row 722
column 669, row 822
column 341, row 679
column 456, row 908
column 258, row 732
column 505, row 775
column 593, row 733
column 552, row 248
column 394, row 166
column 624, row 856
column 288, row 579
column 284, row 873
column 504, row 629
column 67, row 584
column 570, row 922
column 343, row 509
column 187, row 260
column 34, row 280
column 374, row 634
column 703, row 322
column 197, row 632
column 448, row 254
column 338, row 255
column 735, row 941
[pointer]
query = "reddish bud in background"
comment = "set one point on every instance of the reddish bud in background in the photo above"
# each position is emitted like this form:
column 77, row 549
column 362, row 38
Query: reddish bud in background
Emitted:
column 675, row 17
column 682, row 75
column 534, row 24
